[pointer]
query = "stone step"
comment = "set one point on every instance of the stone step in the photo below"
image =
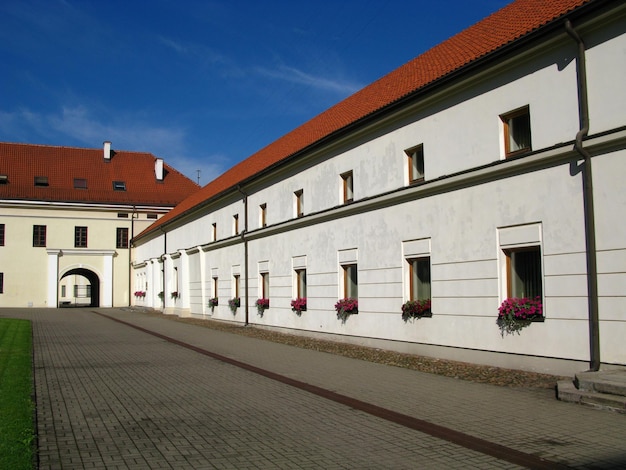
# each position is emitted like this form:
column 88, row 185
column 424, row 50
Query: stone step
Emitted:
column 606, row 381
column 605, row 389
column 567, row 391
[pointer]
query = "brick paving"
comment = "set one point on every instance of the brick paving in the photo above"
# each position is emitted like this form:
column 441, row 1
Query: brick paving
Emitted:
column 111, row 396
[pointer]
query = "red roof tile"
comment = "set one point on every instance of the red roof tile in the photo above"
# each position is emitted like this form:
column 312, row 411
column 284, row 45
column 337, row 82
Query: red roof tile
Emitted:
column 512, row 22
column 22, row 162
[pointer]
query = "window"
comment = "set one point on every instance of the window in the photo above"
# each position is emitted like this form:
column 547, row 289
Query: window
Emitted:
column 214, row 232
column 119, row 186
column 516, row 132
column 300, row 283
column 419, row 278
column 350, row 281
column 63, row 290
column 82, row 291
column 122, row 215
column 298, row 203
column 415, row 159
column 80, row 183
column 523, row 267
column 235, row 224
column 347, row 187
column 41, row 181
column 263, row 215
column 214, row 286
column 264, row 285
column 1, row 283
column 80, row 237
column 121, row 239
column 1, row 234
column 151, row 216
column 4, row 179
column 236, row 279
column 39, row 235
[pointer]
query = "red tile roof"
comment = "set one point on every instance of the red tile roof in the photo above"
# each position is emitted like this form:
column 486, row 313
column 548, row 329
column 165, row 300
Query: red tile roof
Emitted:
column 21, row 163
column 498, row 30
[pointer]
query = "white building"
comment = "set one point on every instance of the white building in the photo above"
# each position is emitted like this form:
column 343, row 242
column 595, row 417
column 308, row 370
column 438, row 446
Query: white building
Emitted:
column 67, row 216
column 488, row 168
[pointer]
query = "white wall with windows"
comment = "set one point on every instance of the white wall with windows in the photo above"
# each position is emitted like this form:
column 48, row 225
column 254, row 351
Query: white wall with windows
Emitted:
column 480, row 227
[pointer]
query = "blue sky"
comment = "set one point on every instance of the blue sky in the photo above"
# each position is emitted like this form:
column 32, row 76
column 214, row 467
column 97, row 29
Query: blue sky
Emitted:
column 203, row 84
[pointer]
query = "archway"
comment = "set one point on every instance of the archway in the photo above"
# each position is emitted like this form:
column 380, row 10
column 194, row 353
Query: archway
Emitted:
column 90, row 292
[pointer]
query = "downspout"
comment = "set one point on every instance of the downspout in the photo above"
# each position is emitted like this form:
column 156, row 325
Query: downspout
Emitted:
column 130, row 258
column 245, row 249
column 590, row 232
column 163, row 265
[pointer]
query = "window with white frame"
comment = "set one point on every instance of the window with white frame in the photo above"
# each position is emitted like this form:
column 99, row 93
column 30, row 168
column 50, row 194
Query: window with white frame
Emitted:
column 299, row 277
column 263, row 215
column 214, row 232
column 347, row 187
column 236, row 286
column 417, row 286
column 214, row 283
column 521, row 261
column 300, row 284
column 236, row 281
column 298, row 203
column 523, row 269
column 349, row 280
column 264, row 280
column 419, row 278
column 236, row 224
column 516, row 127
column 415, row 161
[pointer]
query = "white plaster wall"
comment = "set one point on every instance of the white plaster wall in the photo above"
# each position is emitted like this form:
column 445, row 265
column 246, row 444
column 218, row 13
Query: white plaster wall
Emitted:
column 26, row 279
column 606, row 67
column 459, row 132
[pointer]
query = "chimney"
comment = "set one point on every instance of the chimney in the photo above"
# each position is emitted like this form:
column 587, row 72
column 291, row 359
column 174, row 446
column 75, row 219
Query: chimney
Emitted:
column 158, row 169
column 107, row 151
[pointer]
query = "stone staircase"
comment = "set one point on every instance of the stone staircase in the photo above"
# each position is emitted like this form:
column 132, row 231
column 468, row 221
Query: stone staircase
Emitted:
column 605, row 389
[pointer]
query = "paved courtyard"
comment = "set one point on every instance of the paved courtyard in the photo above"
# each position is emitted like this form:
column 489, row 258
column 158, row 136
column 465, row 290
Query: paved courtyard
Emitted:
column 117, row 389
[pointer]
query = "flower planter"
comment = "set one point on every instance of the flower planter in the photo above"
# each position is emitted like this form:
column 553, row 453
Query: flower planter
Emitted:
column 515, row 314
column 346, row 307
column 299, row 305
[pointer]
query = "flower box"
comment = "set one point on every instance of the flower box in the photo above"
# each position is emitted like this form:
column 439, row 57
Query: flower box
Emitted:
column 234, row 304
column 299, row 305
column 346, row 307
column 516, row 314
column 262, row 305
column 416, row 309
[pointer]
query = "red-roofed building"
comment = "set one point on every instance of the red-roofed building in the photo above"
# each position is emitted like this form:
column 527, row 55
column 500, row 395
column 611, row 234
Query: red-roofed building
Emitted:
column 67, row 216
column 441, row 210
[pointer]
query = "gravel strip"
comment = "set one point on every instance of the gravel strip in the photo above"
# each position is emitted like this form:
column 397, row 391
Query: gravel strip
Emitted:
column 459, row 370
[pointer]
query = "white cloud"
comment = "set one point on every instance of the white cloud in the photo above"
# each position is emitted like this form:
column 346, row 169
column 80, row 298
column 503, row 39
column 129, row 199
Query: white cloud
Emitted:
column 294, row 75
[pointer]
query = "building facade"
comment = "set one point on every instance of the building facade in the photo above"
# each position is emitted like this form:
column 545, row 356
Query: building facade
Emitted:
column 67, row 216
column 484, row 173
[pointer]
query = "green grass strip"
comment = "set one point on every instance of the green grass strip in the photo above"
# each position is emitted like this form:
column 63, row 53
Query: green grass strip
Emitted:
column 17, row 432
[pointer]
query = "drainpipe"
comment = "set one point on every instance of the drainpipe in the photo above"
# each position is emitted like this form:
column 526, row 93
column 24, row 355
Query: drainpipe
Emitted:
column 163, row 265
column 245, row 248
column 590, row 232
column 130, row 264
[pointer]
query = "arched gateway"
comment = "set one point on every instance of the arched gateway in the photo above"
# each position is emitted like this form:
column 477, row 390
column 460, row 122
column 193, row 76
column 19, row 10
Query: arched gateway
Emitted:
column 80, row 292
